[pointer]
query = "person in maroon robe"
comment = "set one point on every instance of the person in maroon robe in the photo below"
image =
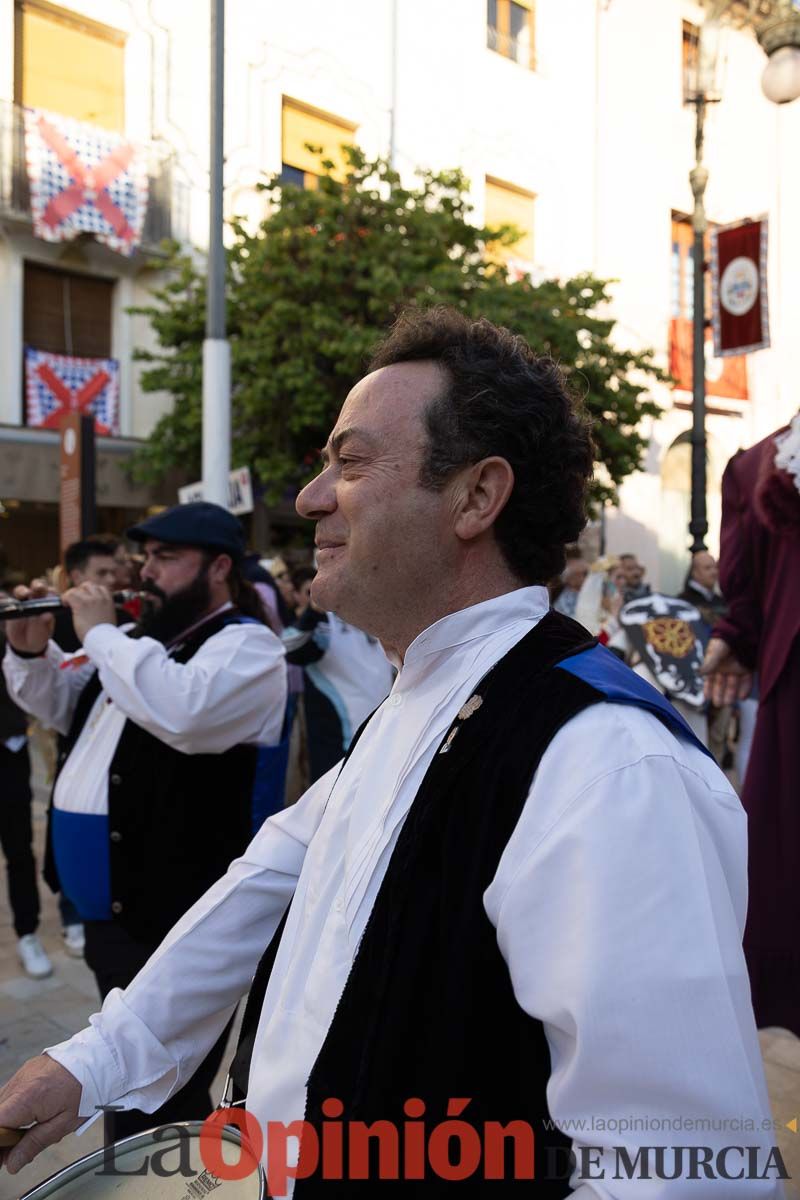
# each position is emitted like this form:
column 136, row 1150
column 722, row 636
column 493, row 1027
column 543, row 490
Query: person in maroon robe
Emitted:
column 760, row 579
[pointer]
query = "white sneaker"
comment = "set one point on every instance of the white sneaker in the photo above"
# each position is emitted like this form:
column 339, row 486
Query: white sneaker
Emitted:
column 74, row 940
column 33, row 958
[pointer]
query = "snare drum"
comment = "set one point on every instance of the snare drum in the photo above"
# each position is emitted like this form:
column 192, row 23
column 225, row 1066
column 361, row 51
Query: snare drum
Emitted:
column 99, row 1176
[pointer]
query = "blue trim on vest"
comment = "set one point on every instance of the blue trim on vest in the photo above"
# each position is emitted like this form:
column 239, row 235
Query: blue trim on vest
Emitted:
column 80, row 845
column 608, row 674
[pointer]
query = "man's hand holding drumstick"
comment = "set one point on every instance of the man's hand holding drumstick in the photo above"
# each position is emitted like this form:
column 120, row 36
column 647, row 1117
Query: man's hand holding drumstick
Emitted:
column 40, row 1102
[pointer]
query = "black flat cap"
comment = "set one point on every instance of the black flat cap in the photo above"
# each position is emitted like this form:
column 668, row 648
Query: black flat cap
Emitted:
column 202, row 524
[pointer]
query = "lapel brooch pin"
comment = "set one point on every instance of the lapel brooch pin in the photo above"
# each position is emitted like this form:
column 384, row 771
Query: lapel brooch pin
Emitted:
column 466, row 711
column 472, row 706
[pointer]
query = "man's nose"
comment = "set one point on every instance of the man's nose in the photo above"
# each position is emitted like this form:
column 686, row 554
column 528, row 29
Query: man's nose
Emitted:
column 318, row 497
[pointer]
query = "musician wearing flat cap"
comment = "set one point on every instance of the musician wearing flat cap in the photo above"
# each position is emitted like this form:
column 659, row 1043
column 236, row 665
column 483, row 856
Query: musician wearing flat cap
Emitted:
column 152, row 795
column 517, row 902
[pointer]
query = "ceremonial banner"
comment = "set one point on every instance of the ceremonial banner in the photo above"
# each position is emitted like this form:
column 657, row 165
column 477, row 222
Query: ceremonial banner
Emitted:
column 58, row 384
column 668, row 634
column 84, row 180
column 739, row 301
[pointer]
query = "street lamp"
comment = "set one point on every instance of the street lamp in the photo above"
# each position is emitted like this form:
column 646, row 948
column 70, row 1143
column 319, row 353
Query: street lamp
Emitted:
column 702, row 89
column 776, row 24
column 779, row 38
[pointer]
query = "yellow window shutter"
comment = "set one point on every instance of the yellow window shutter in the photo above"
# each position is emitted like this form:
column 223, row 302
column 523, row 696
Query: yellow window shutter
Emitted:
column 70, row 65
column 507, row 204
column 302, row 124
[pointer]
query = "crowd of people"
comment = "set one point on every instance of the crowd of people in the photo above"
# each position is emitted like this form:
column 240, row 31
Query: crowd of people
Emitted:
column 336, row 676
column 517, row 875
column 595, row 593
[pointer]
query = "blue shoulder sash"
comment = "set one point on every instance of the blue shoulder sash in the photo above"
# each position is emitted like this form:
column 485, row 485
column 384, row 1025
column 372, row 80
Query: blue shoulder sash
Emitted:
column 607, row 673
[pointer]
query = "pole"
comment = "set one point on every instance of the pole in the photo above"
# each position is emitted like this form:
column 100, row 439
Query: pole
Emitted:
column 216, row 348
column 77, row 509
column 698, row 177
column 393, row 107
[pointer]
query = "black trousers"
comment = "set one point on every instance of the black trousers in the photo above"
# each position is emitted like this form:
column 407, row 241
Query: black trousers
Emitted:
column 114, row 957
column 16, row 837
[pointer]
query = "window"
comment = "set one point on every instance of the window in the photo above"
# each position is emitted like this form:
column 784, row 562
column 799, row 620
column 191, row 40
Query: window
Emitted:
column 690, row 58
column 510, row 30
column 303, row 124
column 69, row 65
column 682, row 282
column 66, row 313
column 507, row 204
column 675, row 281
column 724, row 376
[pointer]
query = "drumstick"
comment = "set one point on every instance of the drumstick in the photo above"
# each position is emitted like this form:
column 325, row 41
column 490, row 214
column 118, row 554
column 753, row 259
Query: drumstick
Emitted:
column 10, row 1137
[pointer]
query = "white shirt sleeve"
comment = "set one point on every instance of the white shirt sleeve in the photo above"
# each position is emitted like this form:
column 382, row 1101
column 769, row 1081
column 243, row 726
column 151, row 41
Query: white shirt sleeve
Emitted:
column 233, row 690
column 619, row 906
column 148, row 1040
column 42, row 688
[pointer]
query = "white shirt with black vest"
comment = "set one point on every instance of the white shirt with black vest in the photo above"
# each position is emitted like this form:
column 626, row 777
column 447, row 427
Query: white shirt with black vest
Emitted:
column 619, row 905
column 232, row 691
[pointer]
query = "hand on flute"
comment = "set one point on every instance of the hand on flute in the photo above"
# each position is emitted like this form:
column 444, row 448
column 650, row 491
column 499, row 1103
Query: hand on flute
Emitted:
column 91, row 604
column 31, row 634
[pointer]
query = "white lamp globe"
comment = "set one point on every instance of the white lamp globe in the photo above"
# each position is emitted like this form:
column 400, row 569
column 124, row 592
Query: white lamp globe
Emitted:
column 780, row 82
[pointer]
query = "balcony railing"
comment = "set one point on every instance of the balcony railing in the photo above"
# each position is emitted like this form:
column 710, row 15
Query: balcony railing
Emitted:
column 167, row 204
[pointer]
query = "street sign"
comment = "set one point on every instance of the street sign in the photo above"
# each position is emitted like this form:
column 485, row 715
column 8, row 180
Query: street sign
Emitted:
column 240, row 492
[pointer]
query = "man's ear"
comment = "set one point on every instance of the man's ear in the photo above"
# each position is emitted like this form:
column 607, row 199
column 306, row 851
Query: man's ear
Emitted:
column 220, row 569
column 483, row 494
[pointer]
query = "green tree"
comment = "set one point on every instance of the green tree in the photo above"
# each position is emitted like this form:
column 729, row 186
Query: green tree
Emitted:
column 311, row 291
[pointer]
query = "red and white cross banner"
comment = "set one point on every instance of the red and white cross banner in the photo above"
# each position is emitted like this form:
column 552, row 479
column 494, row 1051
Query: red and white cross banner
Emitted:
column 58, row 384
column 739, row 300
column 84, row 180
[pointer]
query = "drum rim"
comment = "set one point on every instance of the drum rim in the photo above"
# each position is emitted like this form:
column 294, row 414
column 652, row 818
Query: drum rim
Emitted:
column 70, row 1173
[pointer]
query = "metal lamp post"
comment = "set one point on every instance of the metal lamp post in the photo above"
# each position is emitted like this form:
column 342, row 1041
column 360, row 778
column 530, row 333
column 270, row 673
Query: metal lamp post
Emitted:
column 698, row 177
column 776, row 24
column 216, row 347
column 702, row 92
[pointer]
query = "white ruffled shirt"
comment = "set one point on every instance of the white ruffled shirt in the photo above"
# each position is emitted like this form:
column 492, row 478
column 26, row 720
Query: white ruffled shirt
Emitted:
column 619, row 904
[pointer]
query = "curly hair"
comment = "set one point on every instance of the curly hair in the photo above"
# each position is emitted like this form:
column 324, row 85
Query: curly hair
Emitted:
column 504, row 400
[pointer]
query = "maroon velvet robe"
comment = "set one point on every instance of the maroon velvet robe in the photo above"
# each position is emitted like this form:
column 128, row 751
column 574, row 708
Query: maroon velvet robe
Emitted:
column 760, row 579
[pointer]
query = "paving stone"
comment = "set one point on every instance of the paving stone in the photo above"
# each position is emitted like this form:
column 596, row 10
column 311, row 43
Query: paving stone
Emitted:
column 24, row 989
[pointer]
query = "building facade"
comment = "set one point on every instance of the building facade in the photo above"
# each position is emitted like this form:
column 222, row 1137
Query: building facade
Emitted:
column 567, row 116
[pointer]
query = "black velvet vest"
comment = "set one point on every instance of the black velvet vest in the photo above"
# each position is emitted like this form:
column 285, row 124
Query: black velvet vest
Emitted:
column 428, row 1010
column 176, row 820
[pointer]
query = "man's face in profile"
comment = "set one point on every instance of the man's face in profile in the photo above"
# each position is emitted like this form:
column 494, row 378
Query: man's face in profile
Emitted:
column 378, row 530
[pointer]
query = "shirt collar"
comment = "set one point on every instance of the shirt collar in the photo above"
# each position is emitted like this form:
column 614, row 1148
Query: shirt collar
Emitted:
column 705, row 592
column 478, row 621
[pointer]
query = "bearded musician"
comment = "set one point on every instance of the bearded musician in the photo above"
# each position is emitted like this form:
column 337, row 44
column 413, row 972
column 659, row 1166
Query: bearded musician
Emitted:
column 152, row 795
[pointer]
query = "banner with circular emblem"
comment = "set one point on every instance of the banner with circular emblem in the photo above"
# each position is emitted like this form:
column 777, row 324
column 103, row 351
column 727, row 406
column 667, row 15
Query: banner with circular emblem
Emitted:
column 739, row 301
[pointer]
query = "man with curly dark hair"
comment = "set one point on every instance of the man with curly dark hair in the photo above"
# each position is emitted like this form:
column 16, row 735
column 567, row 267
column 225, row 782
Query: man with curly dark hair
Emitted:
column 518, row 901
